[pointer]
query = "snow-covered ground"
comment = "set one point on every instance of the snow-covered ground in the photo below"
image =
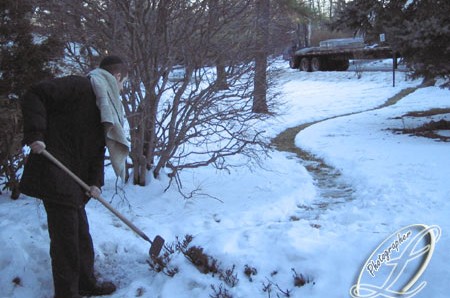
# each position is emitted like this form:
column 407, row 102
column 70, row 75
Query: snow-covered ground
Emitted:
column 261, row 217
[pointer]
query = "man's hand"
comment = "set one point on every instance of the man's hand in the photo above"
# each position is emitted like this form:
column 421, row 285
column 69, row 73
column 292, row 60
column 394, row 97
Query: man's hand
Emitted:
column 37, row 147
column 94, row 191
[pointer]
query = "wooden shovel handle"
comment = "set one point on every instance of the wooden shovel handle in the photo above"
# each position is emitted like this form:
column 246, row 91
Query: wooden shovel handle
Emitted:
column 99, row 198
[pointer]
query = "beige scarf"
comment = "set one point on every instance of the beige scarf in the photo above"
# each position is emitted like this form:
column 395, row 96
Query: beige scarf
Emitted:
column 107, row 93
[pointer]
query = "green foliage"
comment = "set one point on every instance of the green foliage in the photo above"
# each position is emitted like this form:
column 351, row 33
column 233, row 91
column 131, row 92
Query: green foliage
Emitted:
column 423, row 38
column 24, row 59
column 368, row 17
column 24, row 56
column 419, row 30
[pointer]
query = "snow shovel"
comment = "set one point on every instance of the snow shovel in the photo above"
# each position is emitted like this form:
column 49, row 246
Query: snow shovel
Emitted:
column 156, row 244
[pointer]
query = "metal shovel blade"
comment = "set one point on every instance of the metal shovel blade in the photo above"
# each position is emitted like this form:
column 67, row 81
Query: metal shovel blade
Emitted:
column 156, row 246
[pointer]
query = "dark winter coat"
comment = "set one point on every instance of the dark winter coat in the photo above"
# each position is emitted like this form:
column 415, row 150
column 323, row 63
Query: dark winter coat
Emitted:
column 63, row 114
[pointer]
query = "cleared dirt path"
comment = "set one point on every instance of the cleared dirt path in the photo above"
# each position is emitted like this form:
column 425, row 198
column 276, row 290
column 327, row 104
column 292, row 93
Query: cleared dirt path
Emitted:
column 331, row 187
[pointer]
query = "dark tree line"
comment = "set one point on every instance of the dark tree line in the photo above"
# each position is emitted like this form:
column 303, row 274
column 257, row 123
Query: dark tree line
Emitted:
column 419, row 30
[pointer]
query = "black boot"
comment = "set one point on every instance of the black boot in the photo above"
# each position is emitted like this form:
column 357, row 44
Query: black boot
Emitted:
column 100, row 289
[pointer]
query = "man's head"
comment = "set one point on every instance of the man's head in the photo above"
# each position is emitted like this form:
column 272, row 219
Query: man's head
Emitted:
column 117, row 67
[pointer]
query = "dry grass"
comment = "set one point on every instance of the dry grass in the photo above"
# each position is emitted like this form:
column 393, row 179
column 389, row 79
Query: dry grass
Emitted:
column 428, row 130
column 431, row 112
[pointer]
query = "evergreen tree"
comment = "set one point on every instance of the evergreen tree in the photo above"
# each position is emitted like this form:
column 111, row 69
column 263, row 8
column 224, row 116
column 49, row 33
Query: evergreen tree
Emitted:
column 24, row 59
column 419, row 30
column 423, row 37
column 24, row 56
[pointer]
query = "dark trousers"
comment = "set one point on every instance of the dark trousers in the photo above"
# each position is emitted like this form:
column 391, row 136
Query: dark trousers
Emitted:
column 71, row 250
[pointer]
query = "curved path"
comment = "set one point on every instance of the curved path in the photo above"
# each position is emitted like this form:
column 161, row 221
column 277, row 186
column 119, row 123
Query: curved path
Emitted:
column 332, row 189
